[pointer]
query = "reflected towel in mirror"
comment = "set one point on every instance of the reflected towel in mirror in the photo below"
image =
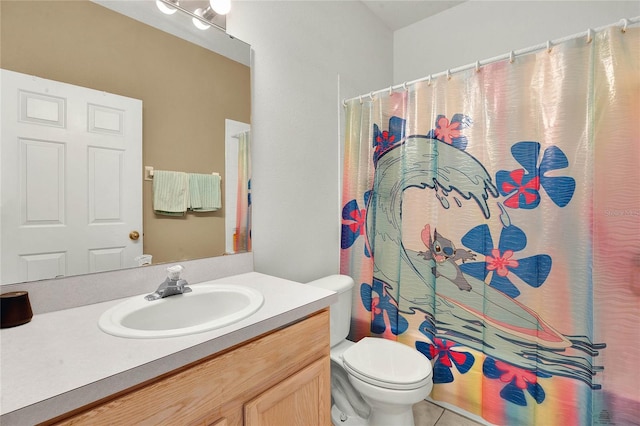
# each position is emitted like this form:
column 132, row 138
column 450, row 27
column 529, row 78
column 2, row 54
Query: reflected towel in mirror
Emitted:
column 170, row 193
column 204, row 192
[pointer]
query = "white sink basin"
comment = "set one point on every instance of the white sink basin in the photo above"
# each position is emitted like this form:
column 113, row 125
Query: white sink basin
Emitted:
column 206, row 307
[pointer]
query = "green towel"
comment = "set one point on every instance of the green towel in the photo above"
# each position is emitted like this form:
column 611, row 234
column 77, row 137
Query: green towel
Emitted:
column 204, row 192
column 170, row 193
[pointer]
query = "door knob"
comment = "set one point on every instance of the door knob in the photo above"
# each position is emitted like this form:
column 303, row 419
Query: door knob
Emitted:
column 134, row 235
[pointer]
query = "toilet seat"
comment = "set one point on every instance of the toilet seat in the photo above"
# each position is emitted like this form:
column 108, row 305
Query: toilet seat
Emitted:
column 387, row 364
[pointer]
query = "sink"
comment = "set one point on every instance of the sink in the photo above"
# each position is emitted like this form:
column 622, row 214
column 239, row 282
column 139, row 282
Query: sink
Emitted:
column 206, row 307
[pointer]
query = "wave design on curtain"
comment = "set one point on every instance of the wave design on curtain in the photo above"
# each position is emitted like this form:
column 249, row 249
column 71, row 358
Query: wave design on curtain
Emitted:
column 470, row 224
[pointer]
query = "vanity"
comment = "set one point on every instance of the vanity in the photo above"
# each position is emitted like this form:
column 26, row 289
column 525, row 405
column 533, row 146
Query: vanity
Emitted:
column 269, row 368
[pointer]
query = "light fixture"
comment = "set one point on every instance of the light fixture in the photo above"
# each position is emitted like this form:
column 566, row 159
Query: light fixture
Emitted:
column 165, row 7
column 221, row 7
column 202, row 18
column 206, row 15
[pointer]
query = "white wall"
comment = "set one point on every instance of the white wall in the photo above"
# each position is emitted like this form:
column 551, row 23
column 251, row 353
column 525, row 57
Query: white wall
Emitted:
column 478, row 30
column 308, row 55
column 300, row 50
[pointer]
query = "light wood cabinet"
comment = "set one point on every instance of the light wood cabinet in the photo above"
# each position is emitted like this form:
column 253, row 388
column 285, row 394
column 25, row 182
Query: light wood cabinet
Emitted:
column 299, row 400
column 282, row 377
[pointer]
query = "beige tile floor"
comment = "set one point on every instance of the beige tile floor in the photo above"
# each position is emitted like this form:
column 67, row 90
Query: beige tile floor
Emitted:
column 428, row 414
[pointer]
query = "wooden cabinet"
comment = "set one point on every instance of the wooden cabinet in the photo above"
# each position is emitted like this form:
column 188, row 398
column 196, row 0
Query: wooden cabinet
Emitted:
column 299, row 400
column 279, row 378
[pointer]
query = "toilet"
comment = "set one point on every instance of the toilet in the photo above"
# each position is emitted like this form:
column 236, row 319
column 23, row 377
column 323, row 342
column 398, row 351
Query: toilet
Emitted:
column 374, row 382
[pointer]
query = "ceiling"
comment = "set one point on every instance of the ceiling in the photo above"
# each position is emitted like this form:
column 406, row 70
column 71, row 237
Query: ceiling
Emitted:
column 397, row 14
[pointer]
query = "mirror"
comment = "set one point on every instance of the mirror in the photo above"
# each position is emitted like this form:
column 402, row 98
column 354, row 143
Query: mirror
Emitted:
column 191, row 84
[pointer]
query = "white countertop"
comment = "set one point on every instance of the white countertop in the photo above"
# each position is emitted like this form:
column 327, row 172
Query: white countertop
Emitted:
column 61, row 360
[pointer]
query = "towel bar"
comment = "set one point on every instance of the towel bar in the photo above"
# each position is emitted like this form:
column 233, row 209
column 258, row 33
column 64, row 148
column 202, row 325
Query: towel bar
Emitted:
column 148, row 173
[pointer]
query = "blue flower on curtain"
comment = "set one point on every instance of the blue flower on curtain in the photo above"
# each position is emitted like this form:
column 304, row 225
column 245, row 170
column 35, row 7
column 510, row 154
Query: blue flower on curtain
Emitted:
column 517, row 381
column 449, row 131
column 532, row 270
column 445, row 358
column 522, row 186
column 376, row 300
column 383, row 141
column 354, row 223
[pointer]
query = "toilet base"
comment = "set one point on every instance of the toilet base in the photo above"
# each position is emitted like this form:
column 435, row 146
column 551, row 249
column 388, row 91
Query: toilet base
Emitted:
column 338, row 418
column 397, row 418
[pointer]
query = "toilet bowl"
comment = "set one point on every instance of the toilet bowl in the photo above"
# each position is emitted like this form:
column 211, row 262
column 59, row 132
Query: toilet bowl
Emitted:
column 385, row 378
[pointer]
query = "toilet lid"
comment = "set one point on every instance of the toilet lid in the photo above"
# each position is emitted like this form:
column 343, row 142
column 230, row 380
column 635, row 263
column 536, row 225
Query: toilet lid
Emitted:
column 387, row 364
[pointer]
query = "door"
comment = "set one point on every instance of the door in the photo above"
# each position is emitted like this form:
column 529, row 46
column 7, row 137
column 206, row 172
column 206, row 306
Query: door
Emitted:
column 71, row 179
column 302, row 399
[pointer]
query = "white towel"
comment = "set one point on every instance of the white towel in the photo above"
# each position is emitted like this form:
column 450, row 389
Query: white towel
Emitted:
column 170, row 193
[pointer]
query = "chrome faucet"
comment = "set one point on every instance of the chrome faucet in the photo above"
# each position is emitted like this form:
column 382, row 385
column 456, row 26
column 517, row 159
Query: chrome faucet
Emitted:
column 172, row 285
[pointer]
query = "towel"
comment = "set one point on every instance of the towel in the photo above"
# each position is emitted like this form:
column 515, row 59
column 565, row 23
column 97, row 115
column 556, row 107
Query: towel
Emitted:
column 204, row 192
column 170, row 193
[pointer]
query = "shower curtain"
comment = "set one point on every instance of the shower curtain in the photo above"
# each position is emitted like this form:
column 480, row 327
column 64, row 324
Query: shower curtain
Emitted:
column 491, row 220
column 242, row 234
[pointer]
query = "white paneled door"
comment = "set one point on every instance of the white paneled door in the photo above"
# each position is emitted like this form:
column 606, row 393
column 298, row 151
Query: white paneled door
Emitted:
column 71, row 179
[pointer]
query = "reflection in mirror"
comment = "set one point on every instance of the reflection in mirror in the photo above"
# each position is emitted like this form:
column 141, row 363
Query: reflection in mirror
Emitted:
column 187, row 94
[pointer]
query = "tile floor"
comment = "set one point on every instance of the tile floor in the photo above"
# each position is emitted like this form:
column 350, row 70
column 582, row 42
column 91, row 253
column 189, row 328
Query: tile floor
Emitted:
column 428, row 414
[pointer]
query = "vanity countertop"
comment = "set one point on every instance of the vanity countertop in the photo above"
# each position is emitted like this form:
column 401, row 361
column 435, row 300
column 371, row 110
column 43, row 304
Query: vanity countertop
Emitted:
column 61, row 360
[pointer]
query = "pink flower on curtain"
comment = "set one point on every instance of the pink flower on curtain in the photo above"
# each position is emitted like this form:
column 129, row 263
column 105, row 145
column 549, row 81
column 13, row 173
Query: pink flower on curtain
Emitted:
column 525, row 189
column 385, row 140
column 517, row 381
column 522, row 186
column 446, row 131
column 521, row 378
column 450, row 131
column 533, row 270
column 498, row 263
column 354, row 223
column 442, row 352
column 384, row 310
column 358, row 217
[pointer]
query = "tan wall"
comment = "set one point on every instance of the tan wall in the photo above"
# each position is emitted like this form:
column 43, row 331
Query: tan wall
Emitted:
column 187, row 92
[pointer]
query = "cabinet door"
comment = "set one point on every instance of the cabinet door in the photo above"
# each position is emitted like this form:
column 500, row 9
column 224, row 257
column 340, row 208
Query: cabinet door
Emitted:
column 303, row 399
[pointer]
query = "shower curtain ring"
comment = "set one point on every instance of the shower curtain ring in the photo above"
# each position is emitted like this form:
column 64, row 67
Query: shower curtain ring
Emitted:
column 589, row 35
column 548, row 46
column 449, row 74
column 391, row 90
column 371, row 95
column 512, row 56
column 625, row 23
column 344, row 103
column 477, row 66
column 404, row 86
column 360, row 97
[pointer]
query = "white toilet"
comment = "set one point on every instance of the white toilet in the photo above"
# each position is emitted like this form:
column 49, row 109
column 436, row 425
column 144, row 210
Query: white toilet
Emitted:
column 389, row 376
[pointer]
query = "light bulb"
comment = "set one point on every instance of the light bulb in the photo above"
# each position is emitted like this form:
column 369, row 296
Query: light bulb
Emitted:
column 199, row 24
column 165, row 8
column 221, row 7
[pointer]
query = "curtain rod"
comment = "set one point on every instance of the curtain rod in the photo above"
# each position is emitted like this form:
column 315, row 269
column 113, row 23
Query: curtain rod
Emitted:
column 244, row 132
column 623, row 24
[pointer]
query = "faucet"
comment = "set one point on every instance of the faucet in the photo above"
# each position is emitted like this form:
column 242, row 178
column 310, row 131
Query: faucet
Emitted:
column 172, row 285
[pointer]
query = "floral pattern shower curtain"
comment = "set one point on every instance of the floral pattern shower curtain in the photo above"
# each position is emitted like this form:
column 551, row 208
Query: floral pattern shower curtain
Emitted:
column 491, row 220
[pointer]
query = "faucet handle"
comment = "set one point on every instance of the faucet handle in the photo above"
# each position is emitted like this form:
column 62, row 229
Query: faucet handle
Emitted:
column 173, row 272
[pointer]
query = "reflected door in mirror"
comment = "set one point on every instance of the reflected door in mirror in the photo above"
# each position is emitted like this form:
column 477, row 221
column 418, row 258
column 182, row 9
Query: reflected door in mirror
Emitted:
column 66, row 208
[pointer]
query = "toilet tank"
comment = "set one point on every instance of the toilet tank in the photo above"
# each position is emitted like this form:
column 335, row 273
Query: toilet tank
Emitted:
column 340, row 312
